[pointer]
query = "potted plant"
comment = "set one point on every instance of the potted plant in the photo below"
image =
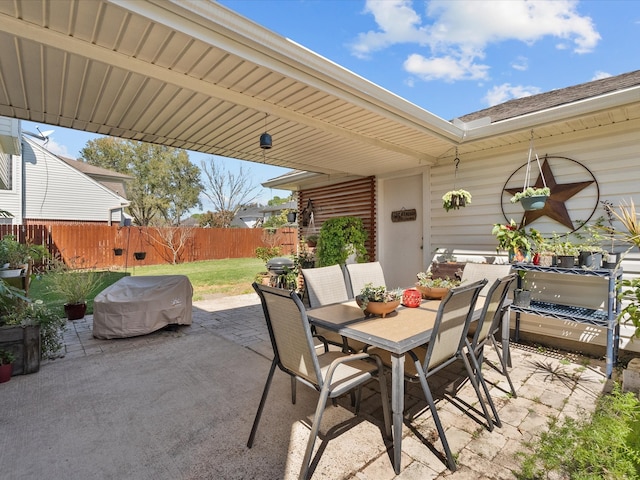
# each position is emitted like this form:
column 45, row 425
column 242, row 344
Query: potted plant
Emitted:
column 431, row 287
column 378, row 300
column 566, row 253
column 15, row 256
column 341, row 237
column 454, row 199
column 74, row 285
column 265, row 254
column 522, row 296
column 532, row 198
column 311, row 240
column 517, row 241
column 6, row 364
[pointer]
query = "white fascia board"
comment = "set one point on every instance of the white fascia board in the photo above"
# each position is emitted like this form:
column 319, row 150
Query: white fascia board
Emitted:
column 560, row 113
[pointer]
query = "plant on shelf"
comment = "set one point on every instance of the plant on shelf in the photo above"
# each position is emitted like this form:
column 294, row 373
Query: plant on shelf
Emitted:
column 516, row 240
column 16, row 255
column 339, row 238
column 531, row 192
column 454, row 199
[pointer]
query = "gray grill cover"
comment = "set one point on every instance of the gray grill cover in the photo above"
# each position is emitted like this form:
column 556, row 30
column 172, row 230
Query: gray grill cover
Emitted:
column 139, row 305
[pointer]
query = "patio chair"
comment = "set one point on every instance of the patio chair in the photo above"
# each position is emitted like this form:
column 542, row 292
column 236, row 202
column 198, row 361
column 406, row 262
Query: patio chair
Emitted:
column 360, row 274
column 489, row 325
column 332, row 373
column 447, row 345
column 491, row 272
column 326, row 285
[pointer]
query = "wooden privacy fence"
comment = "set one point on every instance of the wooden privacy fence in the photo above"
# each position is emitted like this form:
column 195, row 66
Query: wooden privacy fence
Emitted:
column 88, row 245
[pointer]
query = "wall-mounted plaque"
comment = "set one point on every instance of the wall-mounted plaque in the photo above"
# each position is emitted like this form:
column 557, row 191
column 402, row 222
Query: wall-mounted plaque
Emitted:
column 404, row 215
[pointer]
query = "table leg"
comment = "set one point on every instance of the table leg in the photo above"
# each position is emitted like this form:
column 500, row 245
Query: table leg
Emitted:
column 397, row 407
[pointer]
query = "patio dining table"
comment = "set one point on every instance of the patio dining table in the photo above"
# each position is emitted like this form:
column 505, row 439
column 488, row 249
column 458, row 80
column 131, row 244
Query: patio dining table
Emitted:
column 398, row 332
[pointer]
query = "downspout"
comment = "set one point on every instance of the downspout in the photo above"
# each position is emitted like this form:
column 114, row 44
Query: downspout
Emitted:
column 114, row 209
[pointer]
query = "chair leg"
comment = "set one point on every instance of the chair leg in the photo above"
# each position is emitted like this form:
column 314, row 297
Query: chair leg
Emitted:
column 451, row 463
column 293, row 390
column 315, row 428
column 504, row 366
column 477, row 378
column 263, row 399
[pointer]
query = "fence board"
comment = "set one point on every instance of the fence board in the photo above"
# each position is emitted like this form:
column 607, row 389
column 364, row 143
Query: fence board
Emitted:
column 92, row 245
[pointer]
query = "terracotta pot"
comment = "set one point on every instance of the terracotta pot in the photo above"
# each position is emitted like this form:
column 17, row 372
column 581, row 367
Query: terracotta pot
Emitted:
column 379, row 308
column 5, row 372
column 433, row 292
column 75, row 311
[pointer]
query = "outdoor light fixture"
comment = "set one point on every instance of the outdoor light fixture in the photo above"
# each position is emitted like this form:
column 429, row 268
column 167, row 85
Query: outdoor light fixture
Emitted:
column 265, row 138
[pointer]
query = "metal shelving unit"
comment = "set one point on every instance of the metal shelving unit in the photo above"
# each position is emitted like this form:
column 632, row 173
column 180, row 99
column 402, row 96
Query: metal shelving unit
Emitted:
column 606, row 318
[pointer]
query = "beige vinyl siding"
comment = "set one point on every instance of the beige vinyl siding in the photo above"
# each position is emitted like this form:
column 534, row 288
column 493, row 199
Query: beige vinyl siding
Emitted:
column 613, row 158
column 55, row 190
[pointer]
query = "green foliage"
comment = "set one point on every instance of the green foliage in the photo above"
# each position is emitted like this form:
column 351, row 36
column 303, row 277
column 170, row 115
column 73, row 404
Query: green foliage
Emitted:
column 369, row 293
column 531, row 192
column 425, row 279
column 276, row 221
column 340, row 237
column 6, row 357
column 515, row 238
column 276, row 200
column 455, row 199
column 165, row 184
column 630, row 292
column 267, row 253
column 52, row 325
column 17, row 254
column 605, row 446
column 74, row 286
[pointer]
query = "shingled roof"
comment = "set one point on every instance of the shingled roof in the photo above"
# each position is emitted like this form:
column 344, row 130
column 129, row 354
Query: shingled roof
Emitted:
column 554, row 98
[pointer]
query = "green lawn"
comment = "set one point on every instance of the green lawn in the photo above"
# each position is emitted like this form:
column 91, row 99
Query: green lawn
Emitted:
column 228, row 276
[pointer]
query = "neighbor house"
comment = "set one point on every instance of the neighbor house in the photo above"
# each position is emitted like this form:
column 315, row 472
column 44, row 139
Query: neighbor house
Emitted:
column 37, row 186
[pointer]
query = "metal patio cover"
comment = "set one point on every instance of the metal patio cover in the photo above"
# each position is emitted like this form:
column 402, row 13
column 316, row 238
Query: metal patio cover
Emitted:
column 193, row 74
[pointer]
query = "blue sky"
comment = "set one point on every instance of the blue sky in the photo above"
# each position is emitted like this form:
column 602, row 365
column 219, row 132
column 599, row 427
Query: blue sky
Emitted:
column 448, row 57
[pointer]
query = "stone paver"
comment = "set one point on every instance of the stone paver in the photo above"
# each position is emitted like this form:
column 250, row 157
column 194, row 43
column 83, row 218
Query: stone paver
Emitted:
column 547, row 385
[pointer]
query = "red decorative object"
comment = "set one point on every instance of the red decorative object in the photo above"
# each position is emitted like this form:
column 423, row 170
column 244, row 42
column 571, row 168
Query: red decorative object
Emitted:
column 411, row 297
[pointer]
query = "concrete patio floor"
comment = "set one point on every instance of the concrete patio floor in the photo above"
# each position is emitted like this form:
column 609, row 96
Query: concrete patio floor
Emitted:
column 179, row 404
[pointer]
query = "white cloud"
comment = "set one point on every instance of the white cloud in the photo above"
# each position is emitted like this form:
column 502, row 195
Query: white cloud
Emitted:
column 446, row 68
column 459, row 31
column 599, row 75
column 57, row 149
column 521, row 64
column 506, row 91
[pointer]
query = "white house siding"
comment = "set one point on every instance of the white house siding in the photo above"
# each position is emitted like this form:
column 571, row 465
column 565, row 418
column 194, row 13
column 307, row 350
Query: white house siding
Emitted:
column 10, row 198
column 612, row 155
column 57, row 191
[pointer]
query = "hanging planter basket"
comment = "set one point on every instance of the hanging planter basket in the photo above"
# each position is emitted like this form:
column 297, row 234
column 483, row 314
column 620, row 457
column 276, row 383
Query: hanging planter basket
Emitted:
column 117, row 251
column 139, row 255
column 532, row 197
column 535, row 202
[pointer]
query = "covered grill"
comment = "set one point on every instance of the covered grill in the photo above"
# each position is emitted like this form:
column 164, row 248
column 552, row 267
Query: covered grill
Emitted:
column 279, row 265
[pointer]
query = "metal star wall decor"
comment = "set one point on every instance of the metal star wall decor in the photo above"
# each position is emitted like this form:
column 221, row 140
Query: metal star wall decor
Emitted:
column 555, row 207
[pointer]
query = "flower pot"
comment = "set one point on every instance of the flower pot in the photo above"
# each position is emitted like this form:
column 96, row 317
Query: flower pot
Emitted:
column 566, row 261
column 139, row 255
column 291, row 217
column 433, row 292
column 411, row 297
column 590, row 259
column 75, row 311
column 533, row 203
column 611, row 260
column 5, row 372
column 522, row 298
column 117, row 251
column 378, row 308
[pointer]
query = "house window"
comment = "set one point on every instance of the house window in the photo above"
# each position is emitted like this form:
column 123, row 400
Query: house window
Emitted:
column 5, row 171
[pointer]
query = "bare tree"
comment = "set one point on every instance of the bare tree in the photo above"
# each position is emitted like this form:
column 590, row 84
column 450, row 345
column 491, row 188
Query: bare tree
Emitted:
column 175, row 239
column 228, row 192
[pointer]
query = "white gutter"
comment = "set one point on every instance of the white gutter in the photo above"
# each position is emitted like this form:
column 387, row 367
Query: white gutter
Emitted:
column 113, row 209
column 618, row 98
